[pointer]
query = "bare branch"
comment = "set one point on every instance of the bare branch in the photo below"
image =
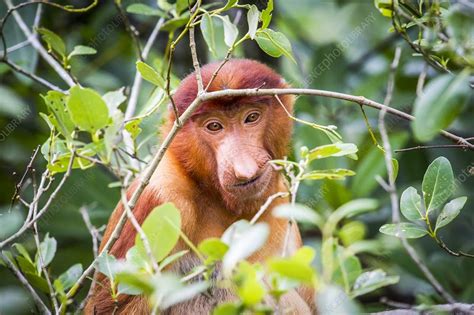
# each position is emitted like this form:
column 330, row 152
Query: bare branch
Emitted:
column 267, row 204
column 30, row 75
column 197, row 68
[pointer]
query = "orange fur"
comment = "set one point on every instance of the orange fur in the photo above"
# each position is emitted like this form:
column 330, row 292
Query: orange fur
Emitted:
column 191, row 176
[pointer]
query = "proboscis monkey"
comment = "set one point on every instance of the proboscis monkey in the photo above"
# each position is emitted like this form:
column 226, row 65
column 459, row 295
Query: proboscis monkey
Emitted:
column 216, row 171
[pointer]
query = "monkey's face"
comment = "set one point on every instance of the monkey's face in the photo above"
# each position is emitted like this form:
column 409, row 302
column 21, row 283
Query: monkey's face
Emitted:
column 237, row 138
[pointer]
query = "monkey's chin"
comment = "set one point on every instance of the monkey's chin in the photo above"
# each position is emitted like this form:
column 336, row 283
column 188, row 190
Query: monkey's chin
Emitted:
column 253, row 189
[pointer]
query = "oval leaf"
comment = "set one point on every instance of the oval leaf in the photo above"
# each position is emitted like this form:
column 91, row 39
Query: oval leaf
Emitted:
column 450, row 211
column 437, row 183
column 208, row 32
column 245, row 245
column 410, row 205
column 150, row 74
column 329, row 150
column 440, row 103
column 87, row 109
column 230, row 31
column 253, row 16
column 274, row 43
column 403, row 230
column 162, row 228
column 299, row 212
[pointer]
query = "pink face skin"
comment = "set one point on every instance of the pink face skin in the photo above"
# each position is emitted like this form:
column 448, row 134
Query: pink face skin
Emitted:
column 237, row 138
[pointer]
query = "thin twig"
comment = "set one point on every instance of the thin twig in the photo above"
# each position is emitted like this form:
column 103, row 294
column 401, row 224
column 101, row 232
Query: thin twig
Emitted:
column 31, row 218
column 267, row 204
column 436, row 146
column 129, row 28
column 421, row 80
column 31, row 75
column 11, row 265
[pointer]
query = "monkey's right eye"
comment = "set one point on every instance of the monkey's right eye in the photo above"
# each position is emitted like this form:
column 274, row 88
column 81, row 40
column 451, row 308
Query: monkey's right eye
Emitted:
column 214, row 126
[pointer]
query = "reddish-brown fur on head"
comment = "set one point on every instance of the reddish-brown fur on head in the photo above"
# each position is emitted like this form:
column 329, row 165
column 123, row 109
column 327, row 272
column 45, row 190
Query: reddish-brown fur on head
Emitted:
column 210, row 166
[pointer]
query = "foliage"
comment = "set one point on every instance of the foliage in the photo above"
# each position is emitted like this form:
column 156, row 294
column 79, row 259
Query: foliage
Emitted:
column 333, row 187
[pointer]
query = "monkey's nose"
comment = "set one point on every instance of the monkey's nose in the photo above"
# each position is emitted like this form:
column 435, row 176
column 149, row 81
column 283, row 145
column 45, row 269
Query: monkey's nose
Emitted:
column 245, row 171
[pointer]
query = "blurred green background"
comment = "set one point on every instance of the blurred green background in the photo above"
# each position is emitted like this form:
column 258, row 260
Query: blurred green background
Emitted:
column 318, row 30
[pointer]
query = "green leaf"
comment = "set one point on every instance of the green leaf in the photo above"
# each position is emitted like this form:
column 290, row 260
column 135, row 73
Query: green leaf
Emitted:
column 26, row 266
column 348, row 210
column 37, row 282
column 227, row 308
column 48, row 250
column 385, row 7
column 299, row 212
column 338, row 173
column 253, row 16
column 22, row 250
column 297, row 267
column 172, row 258
column 440, row 103
column 230, row 31
column 437, row 183
column 162, row 228
column 173, row 24
column 230, row 4
column 213, row 248
column 372, row 280
column 347, row 271
column 244, row 244
column 67, row 279
column 53, row 41
column 150, row 74
column 182, row 5
column 133, row 127
column 208, row 32
column 80, row 50
column 410, row 205
column 143, row 9
column 135, row 258
column 184, row 293
column 133, row 283
column 61, row 119
column 450, row 211
column 332, row 150
column 114, row 99
column 352, row 232
column 403, row 230
column 274, row 44
column 164, row 5
column 372, row 164
column 105, row 265
column 266, row 15
column 87, row 109
column 250, row 289
column 333, row 300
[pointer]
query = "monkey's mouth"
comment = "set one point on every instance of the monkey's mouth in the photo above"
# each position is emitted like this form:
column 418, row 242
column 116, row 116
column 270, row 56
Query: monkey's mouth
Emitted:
column 253, row 180
column 253, row 187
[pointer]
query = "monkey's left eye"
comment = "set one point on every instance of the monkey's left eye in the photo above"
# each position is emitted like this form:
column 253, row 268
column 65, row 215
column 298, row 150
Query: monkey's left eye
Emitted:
column 252, row 117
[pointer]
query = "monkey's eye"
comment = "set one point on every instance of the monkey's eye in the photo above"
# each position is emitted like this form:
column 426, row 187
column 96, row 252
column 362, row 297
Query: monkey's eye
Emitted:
column 252, row 117
column 214, row 126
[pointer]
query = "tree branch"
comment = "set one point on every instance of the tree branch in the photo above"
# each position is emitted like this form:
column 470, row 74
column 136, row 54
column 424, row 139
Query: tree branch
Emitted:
column 41, row 50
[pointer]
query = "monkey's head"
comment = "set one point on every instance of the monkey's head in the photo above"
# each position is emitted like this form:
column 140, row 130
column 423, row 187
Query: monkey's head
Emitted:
column 227, row 144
